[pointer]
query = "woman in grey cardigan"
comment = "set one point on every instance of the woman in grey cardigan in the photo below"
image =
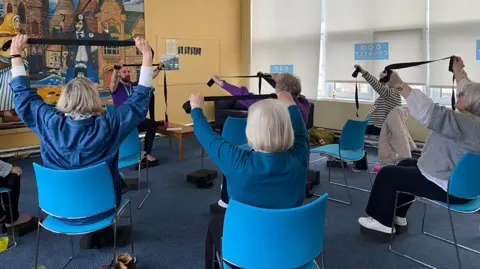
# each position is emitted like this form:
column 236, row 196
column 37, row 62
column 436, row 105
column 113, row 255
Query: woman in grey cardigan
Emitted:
column 453, row 135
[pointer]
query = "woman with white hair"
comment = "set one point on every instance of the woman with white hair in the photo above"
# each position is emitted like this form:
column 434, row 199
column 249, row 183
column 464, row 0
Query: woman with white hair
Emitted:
column 76, row 134
column 453, row 135
column 271, row 175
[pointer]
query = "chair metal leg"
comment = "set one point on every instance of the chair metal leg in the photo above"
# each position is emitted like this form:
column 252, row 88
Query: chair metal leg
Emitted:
column 115, row 240
column 140, row 204
column 443, row 239
column 219, row 260
column 38, row 244
column 13, row 227
column 131, row 235
column 338, row 184
column 71, row 257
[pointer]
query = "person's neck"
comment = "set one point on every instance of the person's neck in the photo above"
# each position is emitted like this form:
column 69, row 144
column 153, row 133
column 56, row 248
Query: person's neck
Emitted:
column 125, row 82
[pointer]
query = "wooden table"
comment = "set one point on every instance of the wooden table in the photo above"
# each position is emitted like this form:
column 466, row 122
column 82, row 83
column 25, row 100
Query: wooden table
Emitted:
column 187, row 131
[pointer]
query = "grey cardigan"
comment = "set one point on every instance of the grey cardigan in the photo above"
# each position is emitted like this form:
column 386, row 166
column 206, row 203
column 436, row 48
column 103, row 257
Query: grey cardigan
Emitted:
column 453, row 135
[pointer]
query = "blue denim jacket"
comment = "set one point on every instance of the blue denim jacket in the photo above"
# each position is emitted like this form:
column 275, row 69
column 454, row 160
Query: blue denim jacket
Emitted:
column 71, row 144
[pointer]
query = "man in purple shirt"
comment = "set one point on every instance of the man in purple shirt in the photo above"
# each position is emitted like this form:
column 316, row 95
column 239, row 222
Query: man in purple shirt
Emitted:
column 121, row 88
column 292, row 84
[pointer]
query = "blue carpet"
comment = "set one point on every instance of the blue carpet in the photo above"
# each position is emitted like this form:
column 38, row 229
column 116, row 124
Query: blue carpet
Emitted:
column 170, row 228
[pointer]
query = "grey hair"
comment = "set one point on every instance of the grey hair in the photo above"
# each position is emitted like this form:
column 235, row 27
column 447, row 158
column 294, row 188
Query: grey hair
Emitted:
column 80, row 97
column 269, row 128
column 290, row 83
column 471, row 90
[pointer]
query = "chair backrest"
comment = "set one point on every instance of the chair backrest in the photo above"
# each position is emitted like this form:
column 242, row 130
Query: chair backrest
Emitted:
column 109, row 107
column 75, row 193
column 234, row 131
column 131, row 145
column 353, row 135
column 464, row 181
column 273, row 238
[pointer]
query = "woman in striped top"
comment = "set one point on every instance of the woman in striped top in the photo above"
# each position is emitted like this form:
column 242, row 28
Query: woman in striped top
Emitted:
column 387, row 100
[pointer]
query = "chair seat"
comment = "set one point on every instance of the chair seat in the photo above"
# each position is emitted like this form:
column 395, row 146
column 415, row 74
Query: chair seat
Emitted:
column 4, row 190
column 470, row 207
column 310, row 265
column 58, row 226
column 131, row 160
column 333, row 150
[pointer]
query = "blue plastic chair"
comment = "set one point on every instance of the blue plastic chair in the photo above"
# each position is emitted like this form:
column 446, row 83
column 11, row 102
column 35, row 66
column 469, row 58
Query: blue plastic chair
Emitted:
column 77, row 194
column 234, row 132
column 7, row 192
column 274, row 238
column 109, row 107
column 463, row 183
column 130, row 153
column 350, row 149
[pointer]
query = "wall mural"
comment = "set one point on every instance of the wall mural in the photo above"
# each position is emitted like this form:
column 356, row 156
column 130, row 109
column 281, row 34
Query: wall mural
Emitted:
column 50, row 67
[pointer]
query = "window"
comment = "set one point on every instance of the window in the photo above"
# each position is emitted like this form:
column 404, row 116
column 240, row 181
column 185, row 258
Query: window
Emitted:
column 442, row 95
column 111, row 50
column 21, row 13
column 9, row 8
column 346, row 90
column 35, row 28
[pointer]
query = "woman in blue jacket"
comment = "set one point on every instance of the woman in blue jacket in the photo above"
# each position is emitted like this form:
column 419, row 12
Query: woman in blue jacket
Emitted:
column 271, row 175
column 76, row 134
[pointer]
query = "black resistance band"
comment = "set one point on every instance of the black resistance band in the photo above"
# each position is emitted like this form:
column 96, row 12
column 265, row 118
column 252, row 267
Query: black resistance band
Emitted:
column 389, row 70
column 259, row 75
column 188, row 108
column 73, row 42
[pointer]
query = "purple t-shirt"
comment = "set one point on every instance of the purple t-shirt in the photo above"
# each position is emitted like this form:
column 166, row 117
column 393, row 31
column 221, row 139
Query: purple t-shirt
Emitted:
column 300, row 100
column 121, row 94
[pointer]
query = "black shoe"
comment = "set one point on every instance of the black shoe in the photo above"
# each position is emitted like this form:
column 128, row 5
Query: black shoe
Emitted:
column 104, row 238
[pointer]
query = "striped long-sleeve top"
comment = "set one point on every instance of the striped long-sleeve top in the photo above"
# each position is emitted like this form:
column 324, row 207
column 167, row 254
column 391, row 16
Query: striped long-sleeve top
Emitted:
column 387, row 100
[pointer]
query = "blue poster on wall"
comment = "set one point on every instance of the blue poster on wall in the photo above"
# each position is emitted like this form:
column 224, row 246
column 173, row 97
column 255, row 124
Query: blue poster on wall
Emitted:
column 281, row 68
column 371, row 51
column 478, row 50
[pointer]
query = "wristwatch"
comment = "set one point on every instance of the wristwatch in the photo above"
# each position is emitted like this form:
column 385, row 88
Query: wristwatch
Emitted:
column 117, row 67
column 15, row 56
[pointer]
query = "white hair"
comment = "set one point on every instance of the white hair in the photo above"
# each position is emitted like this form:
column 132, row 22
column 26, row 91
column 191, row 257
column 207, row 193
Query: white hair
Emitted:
column 80, row 97
column 269, row 128
column 471, row 91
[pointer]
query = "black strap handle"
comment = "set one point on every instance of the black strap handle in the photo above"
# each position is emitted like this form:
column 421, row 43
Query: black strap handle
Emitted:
column 389, row 68
column 188, row 108
column 165, row 95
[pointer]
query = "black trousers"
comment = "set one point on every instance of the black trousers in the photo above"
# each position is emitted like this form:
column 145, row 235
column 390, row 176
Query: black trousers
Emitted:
column 405, row 177
column 150, row 127
column 363, row 163
column 213, row 242
column 151, row 107
column 12, row 182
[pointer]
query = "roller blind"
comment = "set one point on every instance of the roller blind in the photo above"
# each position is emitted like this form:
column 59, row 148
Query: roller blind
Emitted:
column 453, row 31
column 352, row 22
column 287, row 32
column 374, row 15
column 404, row 46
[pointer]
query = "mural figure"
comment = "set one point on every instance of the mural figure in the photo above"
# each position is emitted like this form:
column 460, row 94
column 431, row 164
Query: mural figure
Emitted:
column 51, row 67
column 8, row 29
column 82, row 61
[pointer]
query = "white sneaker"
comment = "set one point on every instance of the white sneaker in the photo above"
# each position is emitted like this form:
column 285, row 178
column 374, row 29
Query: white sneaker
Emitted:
column 372, row 224
column 222, row 203
column 400, row 221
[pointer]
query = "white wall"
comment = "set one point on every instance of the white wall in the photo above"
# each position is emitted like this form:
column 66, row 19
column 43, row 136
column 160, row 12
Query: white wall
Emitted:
column 287, row 32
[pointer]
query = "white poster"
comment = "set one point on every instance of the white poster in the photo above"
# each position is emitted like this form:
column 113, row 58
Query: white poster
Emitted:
column 171, row 47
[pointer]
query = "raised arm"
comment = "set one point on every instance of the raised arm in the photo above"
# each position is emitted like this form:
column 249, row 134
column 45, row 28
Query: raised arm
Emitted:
column 300, row 145
column 29, row 106
column 380, row 88
column 133, row 111
column 439, row 119
column 235, row 91
column 157, row 70
column 225, row 155
column 115, row 78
